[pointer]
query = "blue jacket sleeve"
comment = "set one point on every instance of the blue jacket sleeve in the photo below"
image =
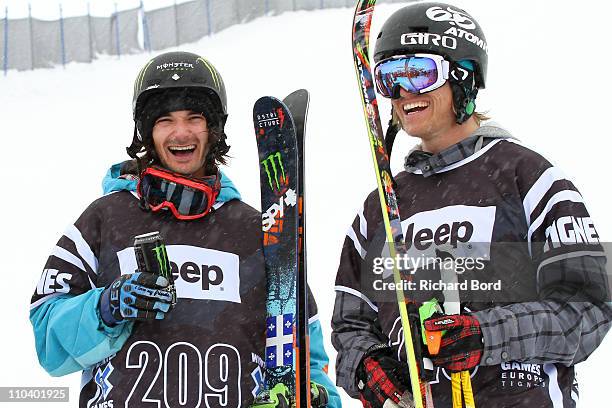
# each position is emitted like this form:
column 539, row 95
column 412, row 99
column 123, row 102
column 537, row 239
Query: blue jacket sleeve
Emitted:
column 70, row 336
column 319, row 362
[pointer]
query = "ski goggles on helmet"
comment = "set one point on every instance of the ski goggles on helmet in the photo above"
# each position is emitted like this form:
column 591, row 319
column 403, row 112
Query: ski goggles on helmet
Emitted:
column 188, row 198
column 416, row 73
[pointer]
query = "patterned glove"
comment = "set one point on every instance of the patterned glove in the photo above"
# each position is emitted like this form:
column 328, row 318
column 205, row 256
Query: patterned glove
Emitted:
column 383, row 381
column 319, row 397
column 461, row 346
column 135, row 296
column 278, row 397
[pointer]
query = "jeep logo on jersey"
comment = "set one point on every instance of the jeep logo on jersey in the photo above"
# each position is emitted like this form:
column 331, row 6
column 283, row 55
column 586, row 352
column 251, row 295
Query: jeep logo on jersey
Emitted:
column 199, row 273
column 52, row 281
column 454, row 17
column 444, row 234
column 191, row 272
column 449, row 225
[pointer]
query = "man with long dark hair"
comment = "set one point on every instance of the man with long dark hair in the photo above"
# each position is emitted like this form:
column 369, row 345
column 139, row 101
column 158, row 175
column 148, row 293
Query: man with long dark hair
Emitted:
column 94, row 311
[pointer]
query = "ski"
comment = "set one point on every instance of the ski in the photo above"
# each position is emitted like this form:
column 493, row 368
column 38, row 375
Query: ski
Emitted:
column 390, row 212
column 286, row 350
column 297, row 103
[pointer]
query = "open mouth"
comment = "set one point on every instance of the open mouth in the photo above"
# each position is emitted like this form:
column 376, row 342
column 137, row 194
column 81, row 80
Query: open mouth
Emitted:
column 415, row 107
column 182, row 151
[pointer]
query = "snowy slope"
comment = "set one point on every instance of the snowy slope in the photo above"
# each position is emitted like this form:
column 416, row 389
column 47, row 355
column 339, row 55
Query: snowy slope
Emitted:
column 548, row 83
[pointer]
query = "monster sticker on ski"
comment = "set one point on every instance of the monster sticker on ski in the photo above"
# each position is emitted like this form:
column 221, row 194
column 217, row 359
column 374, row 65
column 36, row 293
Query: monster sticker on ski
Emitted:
column 278, row 156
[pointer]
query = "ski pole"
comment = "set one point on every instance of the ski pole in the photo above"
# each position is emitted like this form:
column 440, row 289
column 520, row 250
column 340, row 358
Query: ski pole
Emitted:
column 461, row 382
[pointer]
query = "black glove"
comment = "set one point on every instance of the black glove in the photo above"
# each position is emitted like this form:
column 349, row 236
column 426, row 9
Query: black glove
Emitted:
column 135, row 296
column 383, row 380
column 319, row 397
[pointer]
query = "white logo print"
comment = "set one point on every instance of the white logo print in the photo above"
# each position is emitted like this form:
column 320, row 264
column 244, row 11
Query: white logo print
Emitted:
column 269, row 217
column 464, row 73
column 199, row 273
column 53, row 281
column 454, row 17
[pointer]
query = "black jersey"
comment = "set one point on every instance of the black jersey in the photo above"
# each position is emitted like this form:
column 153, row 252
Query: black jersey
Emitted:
column 508, row 208
column 206, row 351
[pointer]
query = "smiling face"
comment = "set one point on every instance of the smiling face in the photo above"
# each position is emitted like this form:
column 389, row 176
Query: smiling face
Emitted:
column 426, row 115
column 430, row 116
column 181, row 142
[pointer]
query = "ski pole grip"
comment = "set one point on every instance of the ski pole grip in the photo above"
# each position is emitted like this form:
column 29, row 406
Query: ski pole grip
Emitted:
column 432, row 339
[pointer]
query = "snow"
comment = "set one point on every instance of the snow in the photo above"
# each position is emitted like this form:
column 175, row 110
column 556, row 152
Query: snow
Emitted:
column 548, row 83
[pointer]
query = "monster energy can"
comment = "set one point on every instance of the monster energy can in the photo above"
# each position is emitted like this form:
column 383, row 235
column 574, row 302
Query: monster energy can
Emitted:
column 151, row 256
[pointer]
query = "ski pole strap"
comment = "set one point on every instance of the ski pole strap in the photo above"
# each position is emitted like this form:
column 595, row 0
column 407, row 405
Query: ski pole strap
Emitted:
column 392, row 130
column 389, row 139
column 456, row 390
column 462, row 390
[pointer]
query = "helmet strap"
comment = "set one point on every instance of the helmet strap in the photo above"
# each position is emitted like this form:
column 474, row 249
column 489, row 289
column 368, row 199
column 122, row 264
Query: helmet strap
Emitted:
column 392, row 129
column 464, row 89
column 136, row 145
column 142, row 203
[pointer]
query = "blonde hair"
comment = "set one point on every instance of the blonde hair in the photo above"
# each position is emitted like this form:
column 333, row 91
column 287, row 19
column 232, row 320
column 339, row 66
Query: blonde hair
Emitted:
column 480, row 117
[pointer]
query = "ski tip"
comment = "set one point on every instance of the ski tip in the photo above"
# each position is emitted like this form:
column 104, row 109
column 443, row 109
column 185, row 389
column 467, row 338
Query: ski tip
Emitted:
column 265, row 99
column 298, row 93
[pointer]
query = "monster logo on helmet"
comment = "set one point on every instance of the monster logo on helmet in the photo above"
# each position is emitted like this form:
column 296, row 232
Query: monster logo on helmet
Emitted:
column 441, row 29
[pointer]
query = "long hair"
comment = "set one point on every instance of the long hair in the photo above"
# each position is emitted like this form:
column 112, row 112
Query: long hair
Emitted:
column 170, row 100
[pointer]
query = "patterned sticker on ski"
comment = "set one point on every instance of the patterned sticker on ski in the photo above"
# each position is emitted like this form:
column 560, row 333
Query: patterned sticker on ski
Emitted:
column 278, row 154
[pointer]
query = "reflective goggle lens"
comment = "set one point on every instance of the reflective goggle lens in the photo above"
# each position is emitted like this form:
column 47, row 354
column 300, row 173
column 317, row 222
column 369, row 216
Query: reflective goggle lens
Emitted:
column 411, row 73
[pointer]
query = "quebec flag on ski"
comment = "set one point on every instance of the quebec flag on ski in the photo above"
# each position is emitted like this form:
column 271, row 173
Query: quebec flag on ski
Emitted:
column 279, row 341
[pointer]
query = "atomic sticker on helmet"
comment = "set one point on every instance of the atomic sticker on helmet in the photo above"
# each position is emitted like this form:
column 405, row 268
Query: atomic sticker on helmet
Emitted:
column 454, row 17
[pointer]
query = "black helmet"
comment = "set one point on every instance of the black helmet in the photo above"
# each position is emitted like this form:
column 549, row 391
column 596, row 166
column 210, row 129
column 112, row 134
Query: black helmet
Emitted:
column 435, row 28
column 441, row 29
column 178, row 69
column 175, row 81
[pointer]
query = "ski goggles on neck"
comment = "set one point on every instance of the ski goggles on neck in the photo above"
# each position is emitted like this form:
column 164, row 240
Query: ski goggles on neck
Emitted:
column 188, row 198
column 415, row 73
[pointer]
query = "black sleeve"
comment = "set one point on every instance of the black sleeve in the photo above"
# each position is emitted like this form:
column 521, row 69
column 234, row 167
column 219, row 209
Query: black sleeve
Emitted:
column 573, row 314
column 355, row 326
